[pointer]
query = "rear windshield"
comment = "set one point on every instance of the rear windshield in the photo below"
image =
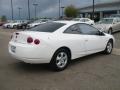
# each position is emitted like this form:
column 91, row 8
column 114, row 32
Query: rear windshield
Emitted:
column 47, row 27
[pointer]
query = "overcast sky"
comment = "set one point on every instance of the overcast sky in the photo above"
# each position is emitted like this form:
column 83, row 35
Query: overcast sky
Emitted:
column 46, row 8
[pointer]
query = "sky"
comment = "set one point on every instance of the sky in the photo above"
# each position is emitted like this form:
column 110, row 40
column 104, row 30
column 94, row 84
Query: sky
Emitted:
column 45, row 8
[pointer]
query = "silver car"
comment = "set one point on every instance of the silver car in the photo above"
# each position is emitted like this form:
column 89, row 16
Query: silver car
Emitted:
column 109, row 25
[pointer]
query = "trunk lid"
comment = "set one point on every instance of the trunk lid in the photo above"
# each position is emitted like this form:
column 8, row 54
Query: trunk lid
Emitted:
column 21, row 37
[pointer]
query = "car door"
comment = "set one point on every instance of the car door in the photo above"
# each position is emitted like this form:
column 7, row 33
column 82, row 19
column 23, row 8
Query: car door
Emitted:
column 118, row 24
column 115, row 25
column 94, row 42
column 75, row 41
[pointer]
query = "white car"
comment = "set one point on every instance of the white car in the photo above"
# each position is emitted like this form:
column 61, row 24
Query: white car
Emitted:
column 85, row 20
column 7, row 25
column 109, row 25
column 15, row 24
column 59, row 42
column 12, row 24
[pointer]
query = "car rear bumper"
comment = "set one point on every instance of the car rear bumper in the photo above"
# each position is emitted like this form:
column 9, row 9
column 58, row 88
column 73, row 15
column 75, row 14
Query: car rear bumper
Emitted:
column 29, row 53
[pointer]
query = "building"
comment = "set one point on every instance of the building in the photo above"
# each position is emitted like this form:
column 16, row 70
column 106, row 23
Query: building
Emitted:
column 101, row 10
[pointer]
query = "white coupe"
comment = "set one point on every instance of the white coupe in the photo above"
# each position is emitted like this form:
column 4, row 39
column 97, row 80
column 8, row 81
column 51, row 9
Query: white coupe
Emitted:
column 59, row 42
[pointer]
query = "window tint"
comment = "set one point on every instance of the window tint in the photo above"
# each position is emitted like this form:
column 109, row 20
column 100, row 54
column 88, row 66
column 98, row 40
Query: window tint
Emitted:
column 47, row 27
column 74, row 29
column 86, row 20
column 88, row 30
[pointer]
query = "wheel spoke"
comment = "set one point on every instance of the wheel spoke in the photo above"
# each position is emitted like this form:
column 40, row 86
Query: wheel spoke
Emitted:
column 61, row 59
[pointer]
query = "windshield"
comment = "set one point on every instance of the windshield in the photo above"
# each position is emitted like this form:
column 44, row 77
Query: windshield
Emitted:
column 47, row 27
column 106, row 21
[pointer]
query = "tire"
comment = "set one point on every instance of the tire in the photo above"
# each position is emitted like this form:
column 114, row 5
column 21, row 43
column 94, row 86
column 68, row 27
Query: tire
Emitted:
column 15, row 27
column 110, row 31
column 8, row 26
column 109, row 47
column 60, row 60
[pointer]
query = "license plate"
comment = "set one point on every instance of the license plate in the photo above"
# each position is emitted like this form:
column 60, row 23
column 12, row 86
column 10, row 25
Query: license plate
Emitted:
column 13, row 49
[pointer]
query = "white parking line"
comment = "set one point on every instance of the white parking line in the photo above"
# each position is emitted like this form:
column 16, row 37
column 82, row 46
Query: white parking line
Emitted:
column 116, row 51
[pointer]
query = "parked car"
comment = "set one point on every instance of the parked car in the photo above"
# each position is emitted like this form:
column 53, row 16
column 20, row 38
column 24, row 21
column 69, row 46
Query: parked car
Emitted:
column 7, row 25
column 12, row 24
column 23, row 25
column 85, row 20
column 109, row 25
column 115, row 15
column 59, row 42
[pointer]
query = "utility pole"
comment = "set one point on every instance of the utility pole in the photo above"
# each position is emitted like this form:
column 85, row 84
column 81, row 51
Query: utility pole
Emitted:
column 28, row 9
column 59, row 9
column 12, row 10
column 19, row 12
column 93, row 9
column 35, row 5
column 62, row 11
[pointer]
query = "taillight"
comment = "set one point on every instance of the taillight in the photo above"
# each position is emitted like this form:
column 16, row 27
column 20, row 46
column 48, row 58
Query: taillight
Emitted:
column 29, row 40
column 36, row 41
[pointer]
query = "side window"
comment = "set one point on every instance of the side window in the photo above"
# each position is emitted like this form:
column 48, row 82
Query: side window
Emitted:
column 86, row 20
column 88, row 30
column 74, row 29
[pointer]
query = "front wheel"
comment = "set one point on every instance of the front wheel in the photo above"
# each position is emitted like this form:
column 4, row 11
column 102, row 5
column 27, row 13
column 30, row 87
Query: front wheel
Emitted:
column 60, row 60
column 109, row 47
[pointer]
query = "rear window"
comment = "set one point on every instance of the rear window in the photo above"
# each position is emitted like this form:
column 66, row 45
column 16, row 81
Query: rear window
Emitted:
column 47, row 27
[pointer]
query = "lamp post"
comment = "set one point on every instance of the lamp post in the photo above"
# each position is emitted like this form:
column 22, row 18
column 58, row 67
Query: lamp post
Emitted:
column 35, row 5
column 59, row 9
column 28, row 10
column 93, row 9
column 62, row 11
column 12, row 17
column 19, row 12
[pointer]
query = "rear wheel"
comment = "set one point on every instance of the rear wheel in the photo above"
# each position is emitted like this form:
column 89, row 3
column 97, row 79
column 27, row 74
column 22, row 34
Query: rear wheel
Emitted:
column 15, row 26
column 109, row 47
column 60, row 60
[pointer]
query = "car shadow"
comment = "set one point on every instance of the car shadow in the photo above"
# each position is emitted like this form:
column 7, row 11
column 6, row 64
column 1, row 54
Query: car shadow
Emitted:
column 86, row 59
column 34, row 68
column 115, row 32
column 31, row 68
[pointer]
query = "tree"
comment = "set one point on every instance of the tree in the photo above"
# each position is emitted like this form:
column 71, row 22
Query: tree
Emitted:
column 3, row 18
column 71, row 11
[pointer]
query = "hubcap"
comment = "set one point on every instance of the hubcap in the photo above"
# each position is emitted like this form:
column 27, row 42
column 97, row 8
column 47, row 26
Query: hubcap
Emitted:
column 61, row 59
column 109, row 47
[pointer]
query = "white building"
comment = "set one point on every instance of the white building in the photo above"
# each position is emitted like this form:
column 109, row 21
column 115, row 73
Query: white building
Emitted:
column 101, row 10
